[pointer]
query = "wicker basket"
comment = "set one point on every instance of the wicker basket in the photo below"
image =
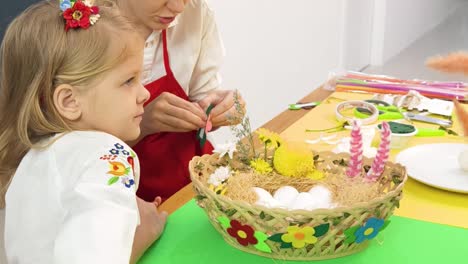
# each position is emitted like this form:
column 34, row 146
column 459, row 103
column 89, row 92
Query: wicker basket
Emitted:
column 337, row 232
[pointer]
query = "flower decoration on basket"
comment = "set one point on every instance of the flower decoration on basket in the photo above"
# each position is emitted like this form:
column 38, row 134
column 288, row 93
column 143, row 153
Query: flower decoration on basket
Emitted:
column 368, row 231
column 79, row 14
column 280, row 199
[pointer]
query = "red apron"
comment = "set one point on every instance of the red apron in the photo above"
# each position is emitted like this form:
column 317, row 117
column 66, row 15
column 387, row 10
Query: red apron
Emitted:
column 164, row 157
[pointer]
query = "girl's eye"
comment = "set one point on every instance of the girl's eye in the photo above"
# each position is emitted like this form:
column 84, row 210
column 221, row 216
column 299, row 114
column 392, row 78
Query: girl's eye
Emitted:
column 129, row 81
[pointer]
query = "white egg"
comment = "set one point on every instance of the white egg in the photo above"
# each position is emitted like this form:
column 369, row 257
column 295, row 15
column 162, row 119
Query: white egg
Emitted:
column 265, row 198
column 322, row 196
column 321, row 192
column 463, row 160
column 304, row 201
column 285, row 195
column 262, row 193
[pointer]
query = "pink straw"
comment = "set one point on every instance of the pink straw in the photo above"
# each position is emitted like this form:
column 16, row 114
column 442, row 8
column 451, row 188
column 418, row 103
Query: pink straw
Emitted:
column 378, row 165
column 356, row 150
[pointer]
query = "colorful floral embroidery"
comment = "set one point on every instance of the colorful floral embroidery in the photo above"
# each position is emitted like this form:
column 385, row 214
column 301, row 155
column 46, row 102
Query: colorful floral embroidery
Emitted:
column 114, row 152
column 131, row 161
column 245, row 234
column 108, row 157
column 118, row 168
column 119, row 149
column 128, row 182
column 118, row 146
column 121, row 162
column 368, row 231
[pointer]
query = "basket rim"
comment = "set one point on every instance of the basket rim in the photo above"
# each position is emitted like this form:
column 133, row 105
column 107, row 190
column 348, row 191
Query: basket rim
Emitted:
column 319, row 211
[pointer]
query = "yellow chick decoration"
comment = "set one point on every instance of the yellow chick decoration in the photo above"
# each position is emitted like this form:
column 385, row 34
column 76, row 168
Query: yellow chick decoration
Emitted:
column 295, row 161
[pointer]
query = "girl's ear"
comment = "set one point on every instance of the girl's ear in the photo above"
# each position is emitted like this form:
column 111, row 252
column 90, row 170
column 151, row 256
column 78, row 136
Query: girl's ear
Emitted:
column 66, row 102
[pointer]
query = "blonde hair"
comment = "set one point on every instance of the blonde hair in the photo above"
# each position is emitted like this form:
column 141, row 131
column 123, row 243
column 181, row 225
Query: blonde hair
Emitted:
column 36, row 56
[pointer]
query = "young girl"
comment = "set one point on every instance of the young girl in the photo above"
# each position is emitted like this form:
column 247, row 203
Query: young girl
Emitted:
column 70, row 96
column 182, row 58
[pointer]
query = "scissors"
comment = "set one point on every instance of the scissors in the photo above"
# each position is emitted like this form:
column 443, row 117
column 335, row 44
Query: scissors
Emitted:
column 300, row 105
column 386, row 111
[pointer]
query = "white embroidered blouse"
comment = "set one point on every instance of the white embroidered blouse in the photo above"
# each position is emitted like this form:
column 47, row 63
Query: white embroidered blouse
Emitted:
column 73, row 202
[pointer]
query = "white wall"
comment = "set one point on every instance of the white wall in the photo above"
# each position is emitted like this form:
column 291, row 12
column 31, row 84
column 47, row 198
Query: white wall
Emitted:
column 277, row 51
column 398, row 23
column 356, row 31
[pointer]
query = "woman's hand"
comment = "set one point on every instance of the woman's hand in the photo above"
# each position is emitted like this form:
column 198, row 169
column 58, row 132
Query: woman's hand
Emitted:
column 224, row 112
column 151, row 226
column 170, row 113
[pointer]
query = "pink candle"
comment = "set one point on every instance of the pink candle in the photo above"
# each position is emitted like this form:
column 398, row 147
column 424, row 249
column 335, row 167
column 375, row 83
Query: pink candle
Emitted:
column 355, row 160
column 381, row 158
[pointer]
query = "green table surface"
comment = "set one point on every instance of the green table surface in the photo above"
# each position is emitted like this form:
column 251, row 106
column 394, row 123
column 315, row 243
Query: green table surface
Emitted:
column 190, row 238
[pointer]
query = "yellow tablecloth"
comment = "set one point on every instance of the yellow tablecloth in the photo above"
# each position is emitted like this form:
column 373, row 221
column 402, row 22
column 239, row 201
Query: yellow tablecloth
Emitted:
column 420, row 201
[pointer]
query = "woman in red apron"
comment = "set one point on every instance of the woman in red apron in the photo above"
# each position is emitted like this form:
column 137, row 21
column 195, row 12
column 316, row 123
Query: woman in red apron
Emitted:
column 189, row 35
column 164, row 156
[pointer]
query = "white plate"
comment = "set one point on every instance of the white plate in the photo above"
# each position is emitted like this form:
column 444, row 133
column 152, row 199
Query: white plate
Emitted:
column 436, row 165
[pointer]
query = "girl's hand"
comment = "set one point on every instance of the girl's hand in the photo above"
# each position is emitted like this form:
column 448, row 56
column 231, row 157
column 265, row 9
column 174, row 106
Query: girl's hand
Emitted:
column 157, row 201
column 224, row 113
column 151, row 226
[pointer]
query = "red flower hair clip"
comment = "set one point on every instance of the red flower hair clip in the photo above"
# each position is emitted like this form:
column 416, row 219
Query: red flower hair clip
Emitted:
column 79, row 14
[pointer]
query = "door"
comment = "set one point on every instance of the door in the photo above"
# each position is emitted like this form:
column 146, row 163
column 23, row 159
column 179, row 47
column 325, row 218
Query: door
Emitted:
column 357, row 19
